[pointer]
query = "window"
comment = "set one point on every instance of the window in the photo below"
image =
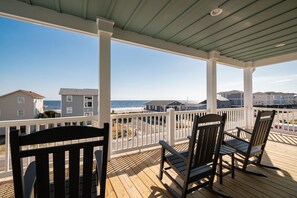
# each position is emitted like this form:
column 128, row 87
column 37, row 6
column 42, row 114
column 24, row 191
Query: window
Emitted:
column 68, row 110
column 69, row 98
column 21, row 100
column 21, row 113
column 88, row 113
column 88, row 101
column 88, row 104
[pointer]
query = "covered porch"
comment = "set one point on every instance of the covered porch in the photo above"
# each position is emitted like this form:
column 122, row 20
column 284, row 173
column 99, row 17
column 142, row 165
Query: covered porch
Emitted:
column 247, row 35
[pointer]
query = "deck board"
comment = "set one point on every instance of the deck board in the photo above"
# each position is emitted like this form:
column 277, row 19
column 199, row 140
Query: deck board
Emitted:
column 136, row 175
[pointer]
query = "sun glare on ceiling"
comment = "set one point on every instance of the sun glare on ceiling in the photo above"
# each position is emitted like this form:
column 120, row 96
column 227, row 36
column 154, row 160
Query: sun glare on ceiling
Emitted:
column 280, row 45
column 216, row 12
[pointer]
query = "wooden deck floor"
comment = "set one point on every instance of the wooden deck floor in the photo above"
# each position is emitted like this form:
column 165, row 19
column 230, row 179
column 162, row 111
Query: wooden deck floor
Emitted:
column 135, row 175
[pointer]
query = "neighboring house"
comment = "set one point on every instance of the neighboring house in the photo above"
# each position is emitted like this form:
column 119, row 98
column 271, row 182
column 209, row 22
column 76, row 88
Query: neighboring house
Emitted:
column 221, row 102
column 79, row 102
column 163, row 105
column 273, row 99
column 236, row 97
column 20, row 104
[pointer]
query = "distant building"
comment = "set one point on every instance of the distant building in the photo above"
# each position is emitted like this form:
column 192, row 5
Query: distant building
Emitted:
column 274, row 99
column 236, row 97
column 20, row 104
column 222, row 102
column 163, row 105
column 79, row 102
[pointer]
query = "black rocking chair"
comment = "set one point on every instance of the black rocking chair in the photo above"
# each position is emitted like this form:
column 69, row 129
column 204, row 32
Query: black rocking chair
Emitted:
column 253, row 148
column 198, row 164
column 37, row 181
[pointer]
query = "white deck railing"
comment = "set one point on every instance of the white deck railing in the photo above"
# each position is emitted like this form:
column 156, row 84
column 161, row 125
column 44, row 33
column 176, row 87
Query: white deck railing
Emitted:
column 136, row 131
column 235, row 117
column 184, row 123
column 285, row 120
column 129, row 132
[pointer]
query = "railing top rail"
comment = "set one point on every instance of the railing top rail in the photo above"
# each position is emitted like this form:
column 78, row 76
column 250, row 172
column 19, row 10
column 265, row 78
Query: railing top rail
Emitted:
column 230, row 109
column 46, row 120
column 190, row 111
column 277, row 109
column 128, row 115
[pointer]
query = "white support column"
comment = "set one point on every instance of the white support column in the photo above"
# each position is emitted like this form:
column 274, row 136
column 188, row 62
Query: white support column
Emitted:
column 248, row 94
column 212, row 81
column 105, row 30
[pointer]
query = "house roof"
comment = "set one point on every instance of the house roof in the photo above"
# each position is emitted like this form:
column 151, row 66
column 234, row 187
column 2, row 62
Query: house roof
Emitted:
column 78, row 92
column 263, row 32
column 163, row 102
column 219, row 98
column 273, row 93
column 230, row 92
column 30, row 93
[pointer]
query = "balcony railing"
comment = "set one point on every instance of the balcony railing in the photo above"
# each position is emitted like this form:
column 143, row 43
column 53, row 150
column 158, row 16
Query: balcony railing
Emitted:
column 129, row 132
column 285, row 120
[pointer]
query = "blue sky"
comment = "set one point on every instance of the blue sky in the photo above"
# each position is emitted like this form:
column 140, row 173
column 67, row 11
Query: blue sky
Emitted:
column 43, row 60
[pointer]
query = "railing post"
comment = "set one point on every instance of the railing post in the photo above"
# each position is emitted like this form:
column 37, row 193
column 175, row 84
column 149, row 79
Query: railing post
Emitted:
column 171, row 127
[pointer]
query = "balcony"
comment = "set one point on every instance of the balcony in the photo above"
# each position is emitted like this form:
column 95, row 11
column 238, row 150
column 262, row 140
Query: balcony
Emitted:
column 135, row 175
column 135, row 155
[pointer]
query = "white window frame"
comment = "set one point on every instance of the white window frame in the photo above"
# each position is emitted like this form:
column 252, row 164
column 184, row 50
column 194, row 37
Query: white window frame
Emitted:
column 20, row 114
column 88, row 99
column 88, row 113
column 21, row 100
column 69, row 110
column 69, row 98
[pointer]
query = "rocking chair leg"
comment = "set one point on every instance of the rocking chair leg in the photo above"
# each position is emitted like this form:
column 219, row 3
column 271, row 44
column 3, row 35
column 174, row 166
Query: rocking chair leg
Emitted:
column 161, row 164
column 254, row 173
column 171, row 191
column 250, row 172
column 216, row 192
column 271, row 167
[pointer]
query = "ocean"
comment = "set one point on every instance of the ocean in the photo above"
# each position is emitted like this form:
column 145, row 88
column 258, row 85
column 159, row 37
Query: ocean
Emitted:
column 115, row 104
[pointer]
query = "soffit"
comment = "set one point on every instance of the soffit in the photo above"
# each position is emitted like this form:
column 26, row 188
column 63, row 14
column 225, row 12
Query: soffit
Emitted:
column 247, row 30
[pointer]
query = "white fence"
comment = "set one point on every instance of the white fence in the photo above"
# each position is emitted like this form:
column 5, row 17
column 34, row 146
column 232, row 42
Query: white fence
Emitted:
column 235, row 117
column 128, row 132
column 136, row 131
column 285, row 120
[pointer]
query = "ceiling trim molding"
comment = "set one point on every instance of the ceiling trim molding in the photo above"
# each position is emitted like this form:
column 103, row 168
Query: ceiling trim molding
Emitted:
column 275, row 60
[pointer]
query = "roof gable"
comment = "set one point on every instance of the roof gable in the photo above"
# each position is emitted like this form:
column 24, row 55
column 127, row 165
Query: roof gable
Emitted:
column 30, row 93
column 163, row 102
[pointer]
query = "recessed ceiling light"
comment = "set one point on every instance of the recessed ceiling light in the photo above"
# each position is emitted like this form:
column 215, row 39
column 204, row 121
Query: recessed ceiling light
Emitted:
column 280, row 45
column 216, row 12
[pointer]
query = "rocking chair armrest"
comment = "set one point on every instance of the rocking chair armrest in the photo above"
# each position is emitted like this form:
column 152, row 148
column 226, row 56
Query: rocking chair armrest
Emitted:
column 29, row 179
column 236, row 137
column 189, row 137
column 98, row 157
column 171, row 150
column 244, row 130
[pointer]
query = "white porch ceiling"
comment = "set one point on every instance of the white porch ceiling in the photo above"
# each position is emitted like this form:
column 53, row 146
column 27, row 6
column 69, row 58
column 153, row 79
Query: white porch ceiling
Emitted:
column 245, row 34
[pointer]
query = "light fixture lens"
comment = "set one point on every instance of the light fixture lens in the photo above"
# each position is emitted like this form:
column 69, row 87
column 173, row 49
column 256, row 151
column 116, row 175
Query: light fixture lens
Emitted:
column 216, row 12
column 280, row 45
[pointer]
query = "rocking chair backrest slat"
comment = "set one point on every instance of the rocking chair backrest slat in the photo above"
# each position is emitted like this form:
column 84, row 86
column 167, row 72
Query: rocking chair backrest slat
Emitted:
column 262, row 128
column 207, row 134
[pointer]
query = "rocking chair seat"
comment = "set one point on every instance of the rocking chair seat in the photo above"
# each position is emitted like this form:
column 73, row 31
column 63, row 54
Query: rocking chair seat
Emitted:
column 242, row 147
column 180, row 167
